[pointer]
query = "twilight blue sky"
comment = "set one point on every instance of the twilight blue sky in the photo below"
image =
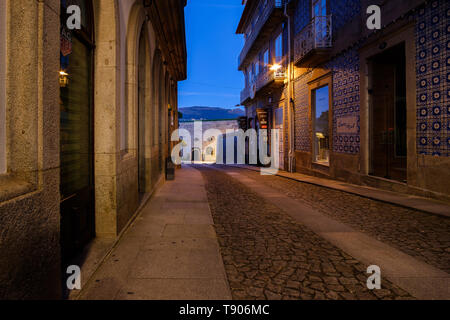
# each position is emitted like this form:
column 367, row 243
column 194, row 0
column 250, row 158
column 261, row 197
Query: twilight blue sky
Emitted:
column 213, row 48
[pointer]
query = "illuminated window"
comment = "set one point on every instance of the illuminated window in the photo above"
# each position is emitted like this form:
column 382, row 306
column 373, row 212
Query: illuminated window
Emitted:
column 2, row 87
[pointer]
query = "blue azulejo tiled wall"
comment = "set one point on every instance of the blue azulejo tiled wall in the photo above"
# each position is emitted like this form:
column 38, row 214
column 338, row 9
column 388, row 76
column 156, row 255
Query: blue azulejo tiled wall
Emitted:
column 302, row 123
column 302, row 15
column 433, row 78
column 346, row 102
column 343, row 11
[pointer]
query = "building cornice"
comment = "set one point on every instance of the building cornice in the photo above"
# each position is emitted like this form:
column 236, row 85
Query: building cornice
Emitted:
column 246, row 15
column 168, row 19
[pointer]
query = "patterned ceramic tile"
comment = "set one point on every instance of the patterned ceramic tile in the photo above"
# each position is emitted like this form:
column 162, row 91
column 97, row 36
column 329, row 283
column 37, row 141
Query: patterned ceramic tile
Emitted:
column 346, row 100
column 433, row 77
column 302, row 123
column 343, row 11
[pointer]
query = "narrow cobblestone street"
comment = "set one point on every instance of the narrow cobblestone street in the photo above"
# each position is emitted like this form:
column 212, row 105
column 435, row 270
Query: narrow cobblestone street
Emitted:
column 419, row 234
column 228, row 232
column 267, row 255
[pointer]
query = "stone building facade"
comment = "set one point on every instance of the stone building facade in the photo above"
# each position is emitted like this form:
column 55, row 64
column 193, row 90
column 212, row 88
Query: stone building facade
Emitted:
column 212, row 148
column 264, row 62
column 85, row 123
column 368, row 106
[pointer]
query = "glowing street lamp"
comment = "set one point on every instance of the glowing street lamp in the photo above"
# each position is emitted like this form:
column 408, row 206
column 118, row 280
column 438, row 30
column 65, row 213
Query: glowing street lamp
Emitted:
column 275, row 67
column 63, row 79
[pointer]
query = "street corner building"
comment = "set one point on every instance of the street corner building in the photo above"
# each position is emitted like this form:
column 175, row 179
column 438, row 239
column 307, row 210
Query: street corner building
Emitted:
column 86, row 118
column 353, row 103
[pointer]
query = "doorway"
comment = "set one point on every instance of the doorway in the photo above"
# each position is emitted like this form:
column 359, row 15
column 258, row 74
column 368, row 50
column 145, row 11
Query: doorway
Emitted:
column 196, row 155
column 388, row 132
column 76, row 135
column 142, row 111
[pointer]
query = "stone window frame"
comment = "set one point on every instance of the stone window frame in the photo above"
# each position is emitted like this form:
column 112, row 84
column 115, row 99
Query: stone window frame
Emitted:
column 3, row 27
column 321, row 78
column 401, row 32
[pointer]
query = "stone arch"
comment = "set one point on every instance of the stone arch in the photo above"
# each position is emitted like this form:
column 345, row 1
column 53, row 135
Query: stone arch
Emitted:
column 144, row 114
column 166, row 124
column 136, row 25
column 157, row 66
column 161, row 102
column 158, row 100
column 116, row 83
column 196, row 155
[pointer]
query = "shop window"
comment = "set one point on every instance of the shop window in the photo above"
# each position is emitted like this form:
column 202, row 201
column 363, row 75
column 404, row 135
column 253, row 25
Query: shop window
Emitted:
column 321, row 131
column 2, row 87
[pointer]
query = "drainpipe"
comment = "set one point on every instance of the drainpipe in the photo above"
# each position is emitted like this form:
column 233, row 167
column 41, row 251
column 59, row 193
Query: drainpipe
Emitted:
column 290, row 99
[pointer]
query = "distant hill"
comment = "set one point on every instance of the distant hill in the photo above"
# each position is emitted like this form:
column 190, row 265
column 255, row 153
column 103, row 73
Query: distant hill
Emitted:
column 210, row 113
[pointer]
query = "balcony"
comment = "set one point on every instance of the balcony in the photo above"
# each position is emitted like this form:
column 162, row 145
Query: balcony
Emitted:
column 270, row 79
column 313, row 44
column 271, row 16
column 264, row 81
column 245, row 95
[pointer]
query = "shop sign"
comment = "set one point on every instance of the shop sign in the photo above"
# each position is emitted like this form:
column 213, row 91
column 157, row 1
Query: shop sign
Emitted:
column 263, row 119
column 347, row 125
column 66, row 42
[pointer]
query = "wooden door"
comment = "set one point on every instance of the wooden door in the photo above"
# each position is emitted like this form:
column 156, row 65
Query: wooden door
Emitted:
column 388, row 120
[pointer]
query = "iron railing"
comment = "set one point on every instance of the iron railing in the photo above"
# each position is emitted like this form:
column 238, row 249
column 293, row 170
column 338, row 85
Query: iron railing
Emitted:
column 267, row 11
column 316, row 35
column 259, row 82
column 269, row 76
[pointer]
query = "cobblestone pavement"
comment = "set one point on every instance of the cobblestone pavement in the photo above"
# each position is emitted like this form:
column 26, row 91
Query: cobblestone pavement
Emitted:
column 419, row 234
column 268, row 255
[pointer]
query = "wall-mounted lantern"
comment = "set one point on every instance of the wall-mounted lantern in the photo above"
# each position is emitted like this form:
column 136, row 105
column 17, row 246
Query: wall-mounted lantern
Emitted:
column 275, row 67
column 63, row 79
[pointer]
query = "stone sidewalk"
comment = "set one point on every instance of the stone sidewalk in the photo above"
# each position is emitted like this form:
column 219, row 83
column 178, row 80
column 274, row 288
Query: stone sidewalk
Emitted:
column 170, row 252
